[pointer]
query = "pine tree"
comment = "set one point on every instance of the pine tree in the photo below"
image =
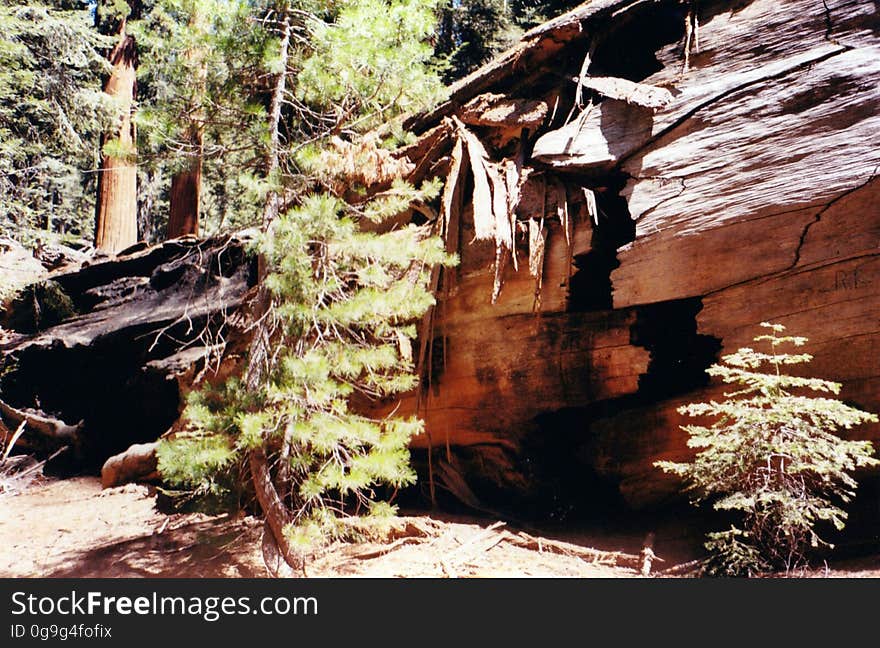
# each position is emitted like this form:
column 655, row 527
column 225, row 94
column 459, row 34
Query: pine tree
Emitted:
column 202, row 114
column 471, row 32
column 528, row 13
column 335, row 317
column 51, row 113
column 772, row 455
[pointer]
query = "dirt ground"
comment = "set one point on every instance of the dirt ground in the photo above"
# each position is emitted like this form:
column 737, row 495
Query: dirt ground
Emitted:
column 73, row 528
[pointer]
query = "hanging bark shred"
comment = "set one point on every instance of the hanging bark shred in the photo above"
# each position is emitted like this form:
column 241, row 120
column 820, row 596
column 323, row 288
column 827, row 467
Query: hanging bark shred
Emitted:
column 562, row 211
column 500, row 265
column 592, row 209
column 503, row 234
column 452, row 204
column 537, row 243
column 484, row 218
column 537, row 240
column 449, row 189
column 496, row 195
column 514, row 177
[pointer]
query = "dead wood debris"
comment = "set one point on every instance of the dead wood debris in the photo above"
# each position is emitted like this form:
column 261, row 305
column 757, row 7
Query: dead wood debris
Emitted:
column 497, row 192
column 17, row 472
column 363, row 161
column 491, row 109
column 41, row 423
column 461, row 550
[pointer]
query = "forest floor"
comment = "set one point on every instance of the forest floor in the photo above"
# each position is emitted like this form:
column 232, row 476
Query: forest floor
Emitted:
column 73, row 528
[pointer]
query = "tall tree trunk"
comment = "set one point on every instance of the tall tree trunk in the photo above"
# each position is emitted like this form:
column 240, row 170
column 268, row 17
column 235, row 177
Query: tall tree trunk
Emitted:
column 186, row 189
column 273, row 200
column 186, row 185
column 116, row 204
column 272, row 503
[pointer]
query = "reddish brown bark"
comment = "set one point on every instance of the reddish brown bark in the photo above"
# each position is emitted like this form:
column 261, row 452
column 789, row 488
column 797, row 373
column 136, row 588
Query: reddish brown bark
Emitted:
column 183, row 217
column 186, row 185
column 116, row 204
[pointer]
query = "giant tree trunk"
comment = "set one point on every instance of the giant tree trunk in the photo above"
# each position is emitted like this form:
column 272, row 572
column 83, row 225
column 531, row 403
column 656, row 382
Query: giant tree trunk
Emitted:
column 186, row 185
column 116, row 204
column 186, row 189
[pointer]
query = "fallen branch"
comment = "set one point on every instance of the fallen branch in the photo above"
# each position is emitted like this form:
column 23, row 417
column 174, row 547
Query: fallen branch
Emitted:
column 41, row 423
column 479, row 539
column 689, row 567
column 615, row 558
column 12, row 441
column 386, row 549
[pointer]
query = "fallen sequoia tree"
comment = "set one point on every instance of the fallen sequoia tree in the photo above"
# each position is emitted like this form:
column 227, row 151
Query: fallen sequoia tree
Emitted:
column 99, row 355
column 675, row 173
column 632, row 189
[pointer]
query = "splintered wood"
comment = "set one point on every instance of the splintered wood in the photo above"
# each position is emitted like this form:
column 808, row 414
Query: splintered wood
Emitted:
column 426, row 547
column 484, row 219
column 537, row 243
column 497, row 191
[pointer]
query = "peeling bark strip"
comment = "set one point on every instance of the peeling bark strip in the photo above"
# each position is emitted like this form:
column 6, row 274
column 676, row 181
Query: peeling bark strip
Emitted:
column 592, row 208
column 450, row 188
column 484, row 218
column 503, row 234
column 537, row 244
column 637, row 94
column 116, row 204
column 499, row 110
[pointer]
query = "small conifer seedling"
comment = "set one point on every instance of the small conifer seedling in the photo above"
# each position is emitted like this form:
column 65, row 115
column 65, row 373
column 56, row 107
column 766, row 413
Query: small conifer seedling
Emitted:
column 772, row 456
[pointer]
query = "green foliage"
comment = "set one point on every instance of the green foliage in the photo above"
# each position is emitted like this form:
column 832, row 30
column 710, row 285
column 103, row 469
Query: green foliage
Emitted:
column 356, row 57
column 528, row 13
column 773, row 457
column 471, row 32
column 344, row 302
column 52, row 111
column 201, row 69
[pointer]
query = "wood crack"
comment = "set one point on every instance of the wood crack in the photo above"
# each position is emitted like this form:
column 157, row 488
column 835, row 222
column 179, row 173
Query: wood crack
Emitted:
column 818, row 217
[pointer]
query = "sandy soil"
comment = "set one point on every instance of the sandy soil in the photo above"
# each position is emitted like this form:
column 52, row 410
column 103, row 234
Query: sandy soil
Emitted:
column 72, row 528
